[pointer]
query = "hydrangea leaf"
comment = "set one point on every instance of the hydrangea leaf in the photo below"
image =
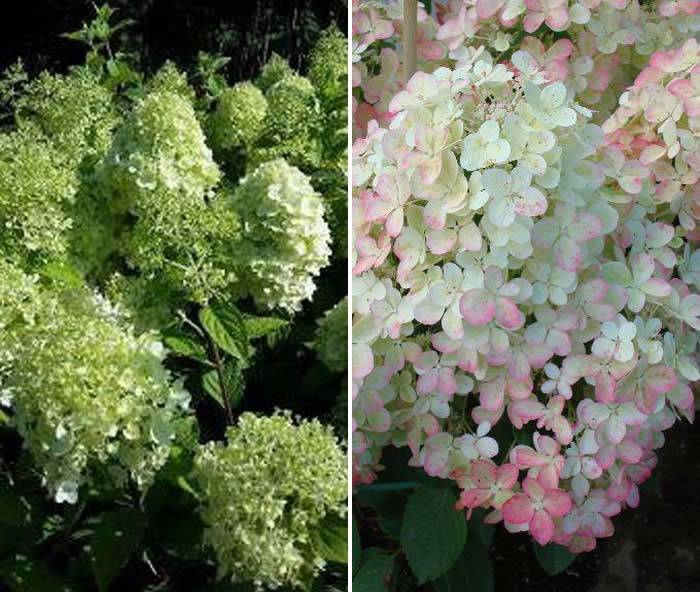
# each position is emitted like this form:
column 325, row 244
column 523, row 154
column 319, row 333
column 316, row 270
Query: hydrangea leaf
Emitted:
column 432, row 534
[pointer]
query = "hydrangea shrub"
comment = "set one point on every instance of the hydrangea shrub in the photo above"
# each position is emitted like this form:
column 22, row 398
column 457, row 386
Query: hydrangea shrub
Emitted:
column 525, row 215
column 167, row 240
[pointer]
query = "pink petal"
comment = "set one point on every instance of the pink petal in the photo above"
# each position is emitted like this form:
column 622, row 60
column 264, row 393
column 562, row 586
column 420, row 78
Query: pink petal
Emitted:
column 473, row 498
column 507, row 475
column 558, row 18
column 557, row 503
column 477, row 307
column 518, row 509
column 507, row 314
column 525, row 457
column 483, row 473
column 542, row 527
column 533, row 21
column 441, row 241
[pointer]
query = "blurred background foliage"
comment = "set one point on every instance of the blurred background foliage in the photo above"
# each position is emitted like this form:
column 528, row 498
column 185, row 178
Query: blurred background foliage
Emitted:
column 249, row 31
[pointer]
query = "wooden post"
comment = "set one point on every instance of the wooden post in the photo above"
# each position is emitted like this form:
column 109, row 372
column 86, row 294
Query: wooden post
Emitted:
column 410, row 49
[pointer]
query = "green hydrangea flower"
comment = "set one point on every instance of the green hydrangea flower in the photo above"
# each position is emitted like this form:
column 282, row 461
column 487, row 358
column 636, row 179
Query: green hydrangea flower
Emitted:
column 161, row 149
column 328, row 66
column 293, row 107
column 265, row 495
column 239, row 117
column 292, row 127
column 275, row 70
column 169, row 79
column 87, row 395
column 162, row 173
column 75, row 112
column 331, row 338
column 285, row 239
column 37, row 190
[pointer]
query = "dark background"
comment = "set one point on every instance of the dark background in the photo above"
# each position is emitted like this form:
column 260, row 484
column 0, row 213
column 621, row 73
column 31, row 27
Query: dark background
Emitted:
column 244, row 30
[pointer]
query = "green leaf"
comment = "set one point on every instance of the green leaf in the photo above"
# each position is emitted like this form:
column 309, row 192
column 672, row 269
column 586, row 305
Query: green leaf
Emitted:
column 226, row 327
column 356, row 546
column 476, row 525
column 433, row 532
column 553, row 558
column 331, row 539
column 262, row 326
column 185, row 346
column 374, row 572
column 212, row 386
column 115, row 537
column 472, row 572
column 234, row 383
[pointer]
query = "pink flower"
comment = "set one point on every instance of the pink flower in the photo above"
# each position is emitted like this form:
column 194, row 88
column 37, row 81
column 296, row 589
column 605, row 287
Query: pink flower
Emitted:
column 552, row 12
column 370, row 27
column 480, row 306
column 545, row 463
column 591, row 520
column 537, row 508
column 487, row 484
column 387, row 202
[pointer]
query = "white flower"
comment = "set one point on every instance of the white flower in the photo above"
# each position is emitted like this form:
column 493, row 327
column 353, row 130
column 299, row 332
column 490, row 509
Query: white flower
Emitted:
column 549, row 105
column 616, row 340
column 484, row 148
column 647, row 332
column 512, row 194
column 66, row 492
column 479, row 446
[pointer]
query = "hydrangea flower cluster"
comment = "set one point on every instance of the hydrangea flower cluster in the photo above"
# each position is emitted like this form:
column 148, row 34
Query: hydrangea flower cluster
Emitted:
column 113, row 417
column 267, row 492
column 300, row 119
column 525, row 229
column 286, row 239
column 160, row 171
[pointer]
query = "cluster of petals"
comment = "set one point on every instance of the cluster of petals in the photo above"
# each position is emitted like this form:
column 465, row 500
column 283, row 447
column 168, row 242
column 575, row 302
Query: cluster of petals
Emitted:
column 525, row 226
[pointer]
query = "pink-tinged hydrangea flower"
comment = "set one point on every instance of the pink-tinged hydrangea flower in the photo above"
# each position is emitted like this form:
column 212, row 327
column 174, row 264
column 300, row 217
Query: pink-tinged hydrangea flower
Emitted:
column 544, row 462
column 527, row 231
column 479, row 445
column 487, row 484
column 554, row 13
column 590, row 520
column 536, row 508
column 480, row 306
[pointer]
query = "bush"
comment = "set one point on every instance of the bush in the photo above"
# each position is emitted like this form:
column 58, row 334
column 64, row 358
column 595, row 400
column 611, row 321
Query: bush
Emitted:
column 162, row 273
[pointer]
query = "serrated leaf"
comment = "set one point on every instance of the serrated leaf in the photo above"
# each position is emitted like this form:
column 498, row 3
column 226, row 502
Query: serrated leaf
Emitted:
column 374, row 572
column 433, row 532
column 116, row 536
column 234, row 383
column 331, row 539
column 263, row 326
column 185, row 346
column 553, row 558
column 472, row 572
column 212, row 386
column 226, row 327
